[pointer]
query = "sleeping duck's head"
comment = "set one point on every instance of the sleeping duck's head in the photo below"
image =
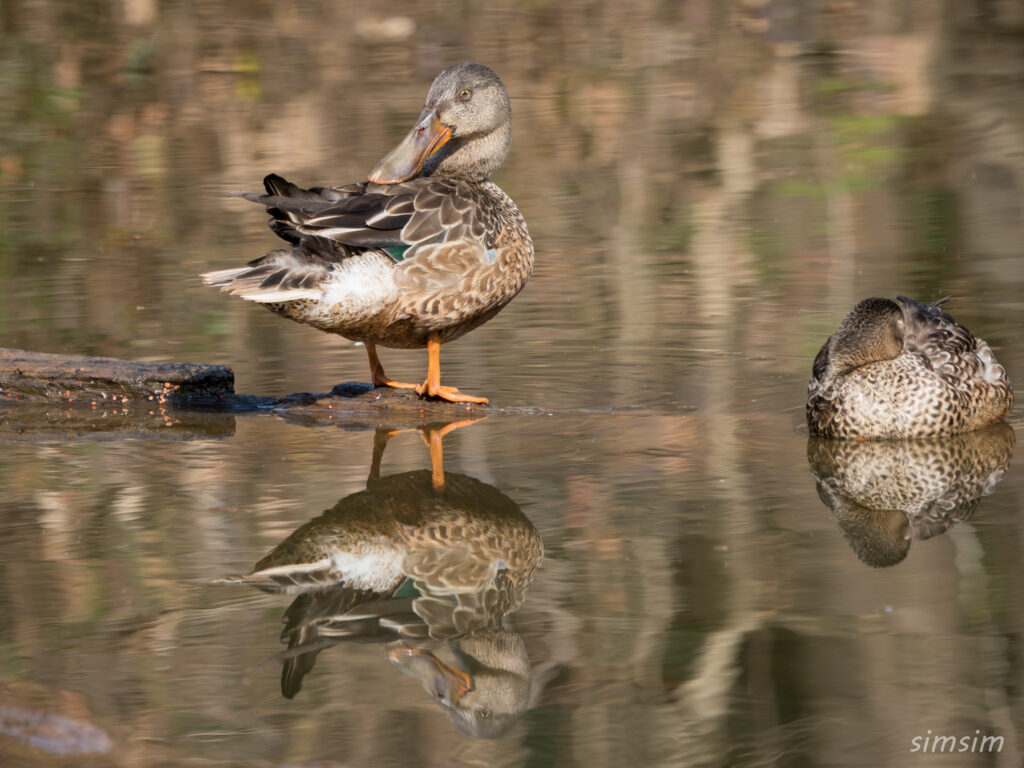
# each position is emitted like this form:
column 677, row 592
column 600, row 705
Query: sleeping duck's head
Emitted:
column 873, row 331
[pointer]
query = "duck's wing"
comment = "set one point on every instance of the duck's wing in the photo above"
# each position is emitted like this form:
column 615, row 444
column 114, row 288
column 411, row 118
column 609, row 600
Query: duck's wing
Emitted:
column 318, row 620
column 436, row 229
column 946, row 344
column 299, row 272
column 332, row 215
column 393, row 217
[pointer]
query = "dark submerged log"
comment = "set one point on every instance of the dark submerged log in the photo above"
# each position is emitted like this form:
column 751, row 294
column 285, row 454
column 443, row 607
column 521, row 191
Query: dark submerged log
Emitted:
column 47, row 396
column 42, row 377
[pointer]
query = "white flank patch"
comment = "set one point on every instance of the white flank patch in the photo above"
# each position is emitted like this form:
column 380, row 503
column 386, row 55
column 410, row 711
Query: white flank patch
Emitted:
column 375, row 569
column 360, row 286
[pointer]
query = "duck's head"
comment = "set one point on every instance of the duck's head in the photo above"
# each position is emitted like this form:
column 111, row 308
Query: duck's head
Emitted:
column 873, row 331
column 880, row 537
column 483, row 683
column 463, row 131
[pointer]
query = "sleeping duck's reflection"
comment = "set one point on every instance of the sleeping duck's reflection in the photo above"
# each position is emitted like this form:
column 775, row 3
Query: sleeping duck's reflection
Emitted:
column 887, row 493
column 427, row 563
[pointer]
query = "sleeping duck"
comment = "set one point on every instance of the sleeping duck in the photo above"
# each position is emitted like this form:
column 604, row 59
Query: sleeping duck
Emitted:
column 904, row 370
column 426, row 250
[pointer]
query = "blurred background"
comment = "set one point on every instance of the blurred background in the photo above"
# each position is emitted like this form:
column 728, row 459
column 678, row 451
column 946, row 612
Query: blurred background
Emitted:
column 710, row 187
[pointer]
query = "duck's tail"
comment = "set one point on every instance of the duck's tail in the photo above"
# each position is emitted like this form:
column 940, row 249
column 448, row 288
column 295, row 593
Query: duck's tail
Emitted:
column 278, row 277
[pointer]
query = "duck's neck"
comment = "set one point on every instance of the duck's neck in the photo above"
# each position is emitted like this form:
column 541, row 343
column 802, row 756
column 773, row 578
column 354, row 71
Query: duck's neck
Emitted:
column 471, row 158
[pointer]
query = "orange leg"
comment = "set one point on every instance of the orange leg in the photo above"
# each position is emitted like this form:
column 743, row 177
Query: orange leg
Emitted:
column 433, row 438
column 432, row 386
column 436, row 460
column 380, row 442
column 380, row 379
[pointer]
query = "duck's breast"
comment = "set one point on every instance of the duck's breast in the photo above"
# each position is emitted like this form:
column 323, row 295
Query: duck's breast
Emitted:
column 904, row 397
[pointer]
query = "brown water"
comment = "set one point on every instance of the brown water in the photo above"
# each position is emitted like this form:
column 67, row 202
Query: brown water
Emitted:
column 710, row 187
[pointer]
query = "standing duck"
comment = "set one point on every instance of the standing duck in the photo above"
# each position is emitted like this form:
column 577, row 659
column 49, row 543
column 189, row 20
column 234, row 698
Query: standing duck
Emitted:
column 424, row 251
column 904, row 370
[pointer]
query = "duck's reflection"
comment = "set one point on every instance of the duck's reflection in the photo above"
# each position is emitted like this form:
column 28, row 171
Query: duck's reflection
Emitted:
column 887, row 493
column 427, row 563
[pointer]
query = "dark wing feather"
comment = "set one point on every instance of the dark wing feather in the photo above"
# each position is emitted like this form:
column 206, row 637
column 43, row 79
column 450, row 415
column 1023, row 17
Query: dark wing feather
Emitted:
column 362, row 216
column 305, row 620
column 945, row 343
column 358, row 237
column 284, row 229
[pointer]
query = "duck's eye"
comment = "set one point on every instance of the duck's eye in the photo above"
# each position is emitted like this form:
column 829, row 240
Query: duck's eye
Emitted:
column 465, row 94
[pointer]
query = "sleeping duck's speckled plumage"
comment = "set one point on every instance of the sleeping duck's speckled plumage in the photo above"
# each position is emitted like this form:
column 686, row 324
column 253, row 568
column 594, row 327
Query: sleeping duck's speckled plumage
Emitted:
column 885, row 494
column 426, row 250
column 904, row 370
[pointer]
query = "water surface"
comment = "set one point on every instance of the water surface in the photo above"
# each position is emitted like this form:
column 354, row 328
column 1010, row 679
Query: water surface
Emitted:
column 710, row 188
